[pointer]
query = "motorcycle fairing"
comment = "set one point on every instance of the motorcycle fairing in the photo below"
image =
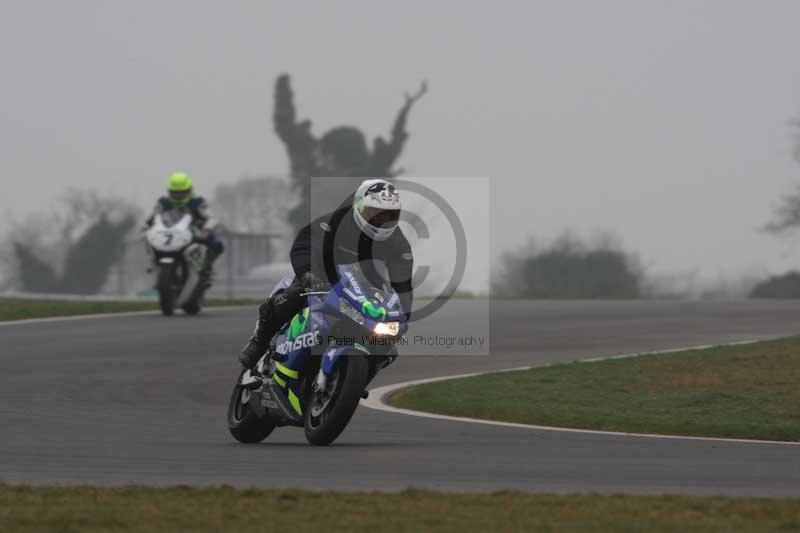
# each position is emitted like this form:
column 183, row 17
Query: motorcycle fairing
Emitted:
column 282, row 285
column 330, row 358
column 308, row 328
column 169, row 236
column 293, row 345
column 195, row 255
column 374, row 304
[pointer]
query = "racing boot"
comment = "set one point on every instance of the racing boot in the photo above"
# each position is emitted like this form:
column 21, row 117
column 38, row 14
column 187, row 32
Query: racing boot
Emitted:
column 258, row 343
column 207, row 272
column 256, row 346
column 272, row 314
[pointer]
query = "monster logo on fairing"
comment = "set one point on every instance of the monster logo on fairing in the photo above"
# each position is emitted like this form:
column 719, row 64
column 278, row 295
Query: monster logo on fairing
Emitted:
column 295, row 338
column 372, row 310
column 306, row 340
column 298, row 324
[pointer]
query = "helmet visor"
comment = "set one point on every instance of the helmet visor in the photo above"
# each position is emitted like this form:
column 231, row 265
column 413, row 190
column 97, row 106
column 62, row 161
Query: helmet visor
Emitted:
column 380, row 218
column 180, row 197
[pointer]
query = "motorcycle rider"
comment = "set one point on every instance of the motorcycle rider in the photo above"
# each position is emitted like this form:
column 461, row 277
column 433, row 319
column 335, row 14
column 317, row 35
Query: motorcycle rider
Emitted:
column 180, row 196
column 355, row 232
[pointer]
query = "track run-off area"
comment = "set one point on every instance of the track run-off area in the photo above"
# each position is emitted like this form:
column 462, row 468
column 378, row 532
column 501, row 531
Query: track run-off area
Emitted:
column 140, row 398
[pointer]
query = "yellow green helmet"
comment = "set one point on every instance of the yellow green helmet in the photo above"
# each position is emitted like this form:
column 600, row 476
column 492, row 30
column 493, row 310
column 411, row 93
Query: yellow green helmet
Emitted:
column 180, row 189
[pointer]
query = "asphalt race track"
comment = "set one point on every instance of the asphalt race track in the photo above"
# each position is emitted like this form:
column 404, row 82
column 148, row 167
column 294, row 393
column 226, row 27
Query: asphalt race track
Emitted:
column 142, row 399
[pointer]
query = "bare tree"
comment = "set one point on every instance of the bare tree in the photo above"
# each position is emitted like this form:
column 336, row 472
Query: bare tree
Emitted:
column 341, row 152
column 85, row 235
column 384, row 154
column 787, row 214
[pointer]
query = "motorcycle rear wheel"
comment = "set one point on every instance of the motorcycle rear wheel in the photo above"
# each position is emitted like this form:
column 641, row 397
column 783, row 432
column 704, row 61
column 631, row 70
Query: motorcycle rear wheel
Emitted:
column 192, row 307
column 243, row 423
column 324, row 428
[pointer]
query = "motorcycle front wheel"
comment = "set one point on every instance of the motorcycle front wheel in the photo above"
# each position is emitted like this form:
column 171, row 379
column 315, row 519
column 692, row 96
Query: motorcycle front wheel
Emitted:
column 328, row 412
column 166, row 289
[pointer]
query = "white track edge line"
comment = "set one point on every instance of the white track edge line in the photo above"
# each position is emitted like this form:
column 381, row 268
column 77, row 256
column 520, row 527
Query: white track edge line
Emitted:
column 69, row 318
column 379, row 396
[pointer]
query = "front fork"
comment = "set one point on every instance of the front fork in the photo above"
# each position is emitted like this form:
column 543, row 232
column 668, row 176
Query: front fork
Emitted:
column 331, row 358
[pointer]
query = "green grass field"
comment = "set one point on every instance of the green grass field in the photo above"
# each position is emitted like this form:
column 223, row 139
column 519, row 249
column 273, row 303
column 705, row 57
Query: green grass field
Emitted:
column 13, row 309
column 747, row 391
column 90, row 509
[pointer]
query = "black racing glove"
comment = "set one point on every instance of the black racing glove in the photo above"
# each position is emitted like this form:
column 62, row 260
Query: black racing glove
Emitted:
column 312, row 283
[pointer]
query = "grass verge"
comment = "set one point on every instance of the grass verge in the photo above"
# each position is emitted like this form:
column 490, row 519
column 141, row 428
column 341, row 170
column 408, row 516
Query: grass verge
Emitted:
column 746, row 391
column 90, row 509
column 14, row 309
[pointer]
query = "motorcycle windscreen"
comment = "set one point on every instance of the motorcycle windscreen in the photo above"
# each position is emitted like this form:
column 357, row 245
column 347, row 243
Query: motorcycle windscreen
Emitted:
column 171, row 217
column 370, row 280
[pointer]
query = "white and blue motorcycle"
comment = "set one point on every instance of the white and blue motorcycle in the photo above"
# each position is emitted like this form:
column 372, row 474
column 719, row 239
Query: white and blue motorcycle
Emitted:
column 178, row 259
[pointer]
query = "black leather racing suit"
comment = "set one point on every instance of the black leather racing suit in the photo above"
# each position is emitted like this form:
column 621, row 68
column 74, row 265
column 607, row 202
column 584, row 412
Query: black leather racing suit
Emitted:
column 331, row 240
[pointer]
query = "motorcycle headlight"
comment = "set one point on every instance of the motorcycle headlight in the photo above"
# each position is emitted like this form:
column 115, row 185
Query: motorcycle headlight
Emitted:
column 387, row 328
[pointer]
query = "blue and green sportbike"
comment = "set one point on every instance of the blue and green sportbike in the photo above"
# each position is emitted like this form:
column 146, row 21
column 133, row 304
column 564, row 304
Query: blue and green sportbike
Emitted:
column 318, row 365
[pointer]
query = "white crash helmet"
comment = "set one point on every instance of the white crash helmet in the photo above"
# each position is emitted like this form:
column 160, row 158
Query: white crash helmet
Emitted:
column 376, row 208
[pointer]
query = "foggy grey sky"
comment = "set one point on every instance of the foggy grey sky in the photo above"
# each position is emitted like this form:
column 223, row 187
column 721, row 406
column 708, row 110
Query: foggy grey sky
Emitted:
column 663, row 122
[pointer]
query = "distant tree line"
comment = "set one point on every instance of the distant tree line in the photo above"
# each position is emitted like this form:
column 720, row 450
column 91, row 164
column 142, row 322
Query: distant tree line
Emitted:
column 74, row 247
column 569, row 268
column 780, row 286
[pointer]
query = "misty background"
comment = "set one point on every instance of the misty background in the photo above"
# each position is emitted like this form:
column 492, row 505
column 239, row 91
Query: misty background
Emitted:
column 665, row 124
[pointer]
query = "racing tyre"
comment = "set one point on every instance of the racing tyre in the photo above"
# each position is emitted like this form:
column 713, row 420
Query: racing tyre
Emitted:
column 192, row 307
column 243, row 423
column 328, row 412
column 166, row 289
